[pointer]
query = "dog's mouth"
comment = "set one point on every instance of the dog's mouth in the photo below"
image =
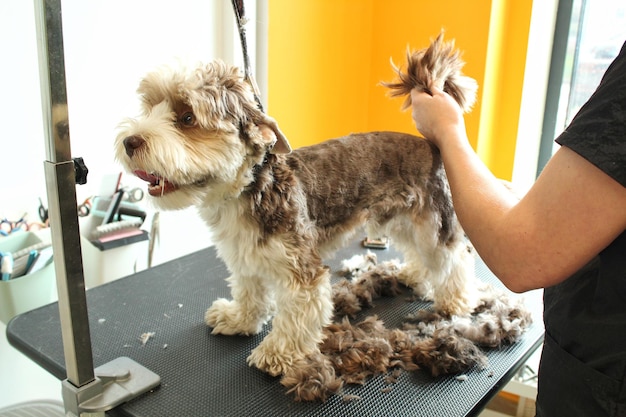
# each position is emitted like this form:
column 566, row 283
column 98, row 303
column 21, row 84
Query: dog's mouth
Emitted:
column 158, row 186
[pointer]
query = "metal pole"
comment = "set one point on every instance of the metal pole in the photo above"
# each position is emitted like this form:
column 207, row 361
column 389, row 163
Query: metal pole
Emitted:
column 61, row 189
column 86, row 392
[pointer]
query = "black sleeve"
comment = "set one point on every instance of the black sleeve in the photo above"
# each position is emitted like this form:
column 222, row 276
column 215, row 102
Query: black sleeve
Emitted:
column 598, row 131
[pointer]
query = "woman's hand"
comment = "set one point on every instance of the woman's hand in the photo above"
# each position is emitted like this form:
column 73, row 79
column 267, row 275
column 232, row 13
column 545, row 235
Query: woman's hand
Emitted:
column 438, row 117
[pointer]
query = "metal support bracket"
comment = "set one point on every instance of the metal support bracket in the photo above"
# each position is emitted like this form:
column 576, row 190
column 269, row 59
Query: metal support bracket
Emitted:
column 85, row 392
column 116, row 382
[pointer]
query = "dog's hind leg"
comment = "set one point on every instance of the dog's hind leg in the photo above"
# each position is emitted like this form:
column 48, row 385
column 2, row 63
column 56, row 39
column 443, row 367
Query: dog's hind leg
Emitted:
column 440, row 271
column 304, row 308
column 455, row 288
column 405, row 238
column 246, row 313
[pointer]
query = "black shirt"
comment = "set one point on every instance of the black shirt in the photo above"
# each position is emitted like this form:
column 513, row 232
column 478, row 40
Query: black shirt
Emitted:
column 583, row 365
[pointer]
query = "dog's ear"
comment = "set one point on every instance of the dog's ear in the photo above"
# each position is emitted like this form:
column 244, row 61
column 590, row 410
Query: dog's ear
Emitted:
column 272, row 134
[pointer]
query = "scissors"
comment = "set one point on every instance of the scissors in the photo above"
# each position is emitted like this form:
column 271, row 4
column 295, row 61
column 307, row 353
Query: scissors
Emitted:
column 7, row 226
column 85, row 208
column 43, row 212
column 134, row 195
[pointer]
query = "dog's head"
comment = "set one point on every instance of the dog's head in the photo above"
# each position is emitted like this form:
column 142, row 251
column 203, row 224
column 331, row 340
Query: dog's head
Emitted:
column 199, row 134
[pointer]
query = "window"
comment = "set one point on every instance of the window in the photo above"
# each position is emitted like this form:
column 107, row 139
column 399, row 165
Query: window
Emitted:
column 588, row 36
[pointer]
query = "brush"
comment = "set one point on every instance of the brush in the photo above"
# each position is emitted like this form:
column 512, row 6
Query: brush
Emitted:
column 116, row 234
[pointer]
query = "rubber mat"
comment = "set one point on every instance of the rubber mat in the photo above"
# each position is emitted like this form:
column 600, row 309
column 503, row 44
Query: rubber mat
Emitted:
column 207, row 375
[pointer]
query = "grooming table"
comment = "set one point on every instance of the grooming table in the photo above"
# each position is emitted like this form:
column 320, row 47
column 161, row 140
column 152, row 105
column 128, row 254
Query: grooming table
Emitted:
column 207, row 375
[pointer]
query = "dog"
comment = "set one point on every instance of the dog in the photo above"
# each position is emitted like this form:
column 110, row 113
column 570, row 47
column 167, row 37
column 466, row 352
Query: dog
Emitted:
column 202, row 141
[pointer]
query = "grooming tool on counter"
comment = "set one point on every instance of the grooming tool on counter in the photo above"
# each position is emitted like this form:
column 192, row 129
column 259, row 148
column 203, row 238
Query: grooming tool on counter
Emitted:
column 25, row 261
column 36, row 247
column 43, row 212
column 131, row 212
column 30, row 261
column 124, row 232
column 134, row 195
column 22, row 264
column 85, row 208
column 7, row 226
column 43, row 259
column 121, row 221
column 376, row 243
column 110, row 228
column 6, row 266
column 114, row 205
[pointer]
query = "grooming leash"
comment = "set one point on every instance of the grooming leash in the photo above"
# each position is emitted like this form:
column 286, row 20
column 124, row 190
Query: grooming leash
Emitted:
column 281, row 144
column 240, row 15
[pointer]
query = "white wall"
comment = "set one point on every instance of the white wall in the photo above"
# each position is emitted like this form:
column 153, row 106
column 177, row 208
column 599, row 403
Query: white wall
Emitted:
column 109, row 45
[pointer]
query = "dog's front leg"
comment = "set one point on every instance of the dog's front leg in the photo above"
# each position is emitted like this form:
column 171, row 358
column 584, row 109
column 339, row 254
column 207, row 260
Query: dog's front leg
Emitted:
column 246, row 313
column 304, row 309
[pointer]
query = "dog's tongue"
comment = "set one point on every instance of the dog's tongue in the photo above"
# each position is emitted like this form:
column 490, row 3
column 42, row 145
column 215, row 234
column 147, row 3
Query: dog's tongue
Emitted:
column 158, row 186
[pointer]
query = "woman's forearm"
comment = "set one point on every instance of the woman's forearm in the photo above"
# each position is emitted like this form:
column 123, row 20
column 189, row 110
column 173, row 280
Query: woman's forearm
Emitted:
column 482, row 204
column 572, row 212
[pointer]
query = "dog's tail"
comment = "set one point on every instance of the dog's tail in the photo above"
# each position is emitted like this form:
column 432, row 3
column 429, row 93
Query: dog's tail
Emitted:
column 439, row 66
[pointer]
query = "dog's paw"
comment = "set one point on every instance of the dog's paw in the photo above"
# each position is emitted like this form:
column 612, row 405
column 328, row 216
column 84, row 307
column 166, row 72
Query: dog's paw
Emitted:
column 227, row 317
column 417, row 281
column 459, row 306
column 456, row 298
column 273, row 359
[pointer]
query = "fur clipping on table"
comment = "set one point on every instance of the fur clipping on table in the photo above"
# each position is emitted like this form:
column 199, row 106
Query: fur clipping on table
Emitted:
column 352, row 353
column 312, row 379
column 497, row 321
column 439, row 66
column 370, row 281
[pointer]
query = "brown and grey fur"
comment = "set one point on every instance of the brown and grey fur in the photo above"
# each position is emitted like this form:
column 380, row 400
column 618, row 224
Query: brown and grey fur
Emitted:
column 202, row 141
column 352, row 353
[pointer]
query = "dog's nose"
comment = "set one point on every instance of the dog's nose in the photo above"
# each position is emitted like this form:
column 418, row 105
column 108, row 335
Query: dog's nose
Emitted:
column 132, row 143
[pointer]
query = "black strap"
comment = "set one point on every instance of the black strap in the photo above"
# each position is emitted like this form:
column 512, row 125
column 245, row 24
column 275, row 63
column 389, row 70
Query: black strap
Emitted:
column 240, row 15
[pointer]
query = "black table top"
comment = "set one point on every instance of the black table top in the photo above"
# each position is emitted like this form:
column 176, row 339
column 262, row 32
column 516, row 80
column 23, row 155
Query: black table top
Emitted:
column 207, row 375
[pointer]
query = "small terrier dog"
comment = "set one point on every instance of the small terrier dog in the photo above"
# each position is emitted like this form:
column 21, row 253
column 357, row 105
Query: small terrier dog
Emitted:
column 202, row 140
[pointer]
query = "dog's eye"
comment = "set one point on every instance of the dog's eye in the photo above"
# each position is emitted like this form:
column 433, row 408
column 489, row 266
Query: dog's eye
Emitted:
column 188, row 119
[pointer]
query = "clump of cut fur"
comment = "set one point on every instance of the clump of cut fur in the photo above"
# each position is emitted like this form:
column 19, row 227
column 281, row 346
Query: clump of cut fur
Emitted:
column 375, row 281
column 312, row 379
column 439, row 66
column 498, row 321
column 353, row 353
